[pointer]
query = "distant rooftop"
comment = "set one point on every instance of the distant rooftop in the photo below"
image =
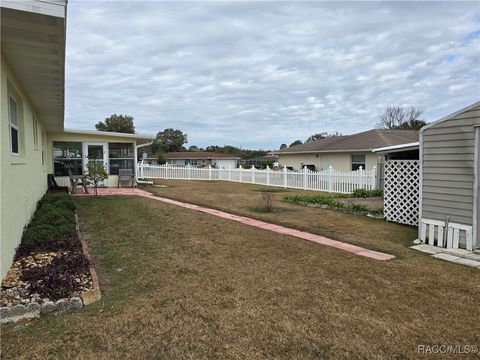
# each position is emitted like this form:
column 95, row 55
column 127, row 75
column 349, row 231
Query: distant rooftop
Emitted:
column 365, row 141
column 185, row 155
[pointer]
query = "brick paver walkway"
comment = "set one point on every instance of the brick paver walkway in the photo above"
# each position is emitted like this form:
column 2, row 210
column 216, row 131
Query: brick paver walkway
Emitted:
column 248, row 221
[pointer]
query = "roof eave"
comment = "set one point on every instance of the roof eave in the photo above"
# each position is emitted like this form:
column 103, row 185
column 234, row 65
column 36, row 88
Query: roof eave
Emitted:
column 108, row 133
column 397, row 148
column 320, row 151
column 452, row 115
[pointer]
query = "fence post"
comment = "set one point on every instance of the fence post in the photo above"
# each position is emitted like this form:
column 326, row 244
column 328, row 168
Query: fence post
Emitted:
column 141, row 169
column 360, row 173
column 330, row 180
column 209, row 172
column 229, row 173
column 240, row 173
column 189, row 175
column 285, row 174
column 253, row 174
column 304, row 178
column 268, row 175
column 374, row 178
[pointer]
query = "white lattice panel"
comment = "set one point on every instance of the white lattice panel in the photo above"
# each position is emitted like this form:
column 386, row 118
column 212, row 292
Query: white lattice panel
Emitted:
column 401, row 191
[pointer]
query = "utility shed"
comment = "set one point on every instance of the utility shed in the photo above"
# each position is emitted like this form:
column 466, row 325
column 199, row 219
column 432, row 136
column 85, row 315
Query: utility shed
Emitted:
column 449, row 180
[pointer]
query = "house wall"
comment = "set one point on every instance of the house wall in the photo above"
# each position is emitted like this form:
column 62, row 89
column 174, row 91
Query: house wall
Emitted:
column 23, row 178
column 225, row 164
column 322, row 161
column 51, row 137
column 448, row 168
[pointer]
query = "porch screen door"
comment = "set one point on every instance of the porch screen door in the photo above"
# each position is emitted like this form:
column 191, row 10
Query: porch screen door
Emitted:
column 98, row 152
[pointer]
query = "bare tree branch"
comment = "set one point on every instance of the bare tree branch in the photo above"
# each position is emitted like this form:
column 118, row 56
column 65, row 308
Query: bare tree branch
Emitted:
column 396, row 116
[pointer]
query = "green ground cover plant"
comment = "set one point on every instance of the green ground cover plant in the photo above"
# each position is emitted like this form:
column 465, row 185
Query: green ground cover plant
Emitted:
column 330, row 202
column 52, row 226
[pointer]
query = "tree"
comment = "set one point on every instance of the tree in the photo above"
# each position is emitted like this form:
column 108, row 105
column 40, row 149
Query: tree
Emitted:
column 322, row 135
column 169, row 140
column 117, row 123
column 412, row 125
column 296, row 142
column 395, row 116
column 161, row 158
column 193, row 148
column 283, row 146
column 96, row 172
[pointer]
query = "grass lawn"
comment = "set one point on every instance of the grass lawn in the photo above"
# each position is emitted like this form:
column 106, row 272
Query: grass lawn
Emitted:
column 179, row 284
column 243, row 199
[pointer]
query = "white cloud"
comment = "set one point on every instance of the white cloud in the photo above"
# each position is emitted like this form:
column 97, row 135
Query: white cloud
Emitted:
column 258, row 74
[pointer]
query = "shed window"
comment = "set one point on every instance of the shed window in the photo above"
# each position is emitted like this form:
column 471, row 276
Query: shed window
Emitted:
column 13, row 125
column 121, row 156
column 358, row 161
column 67, row 155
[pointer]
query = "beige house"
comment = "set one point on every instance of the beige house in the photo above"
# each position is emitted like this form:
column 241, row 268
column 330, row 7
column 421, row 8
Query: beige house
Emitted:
column 33, row 140
column 343, row 153
column 202, row 159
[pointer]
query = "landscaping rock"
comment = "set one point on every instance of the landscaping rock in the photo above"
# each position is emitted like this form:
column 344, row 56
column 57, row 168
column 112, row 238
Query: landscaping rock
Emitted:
column 34, row 307
column 76, row 303
column 61, row 305
column 48, row 307
column 18, row 310
column 5, row 312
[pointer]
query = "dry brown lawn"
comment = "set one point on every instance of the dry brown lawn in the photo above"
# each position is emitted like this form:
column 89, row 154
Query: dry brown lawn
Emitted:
column 179, row 284
column 245, row 199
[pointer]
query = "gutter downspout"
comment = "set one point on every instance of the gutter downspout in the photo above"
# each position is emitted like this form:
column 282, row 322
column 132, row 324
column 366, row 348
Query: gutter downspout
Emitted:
column 136, row 156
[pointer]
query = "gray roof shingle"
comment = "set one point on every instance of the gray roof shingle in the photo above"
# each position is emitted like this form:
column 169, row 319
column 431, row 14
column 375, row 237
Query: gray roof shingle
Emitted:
column 366, row 140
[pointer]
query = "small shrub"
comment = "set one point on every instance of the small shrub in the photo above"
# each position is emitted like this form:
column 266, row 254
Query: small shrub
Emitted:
column 362, row 193
column 45, row 237
column 57, row 199
column 267, row 198
column 53, row 216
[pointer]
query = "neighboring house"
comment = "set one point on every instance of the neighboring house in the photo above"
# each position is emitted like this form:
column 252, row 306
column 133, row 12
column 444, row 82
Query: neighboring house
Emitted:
column 33, row 140
column 343, row 153
column 450, row 178
column 201, row 159
column 262, row 161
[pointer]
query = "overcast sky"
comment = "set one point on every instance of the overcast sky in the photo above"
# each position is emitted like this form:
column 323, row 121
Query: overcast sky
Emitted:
column 258, row 74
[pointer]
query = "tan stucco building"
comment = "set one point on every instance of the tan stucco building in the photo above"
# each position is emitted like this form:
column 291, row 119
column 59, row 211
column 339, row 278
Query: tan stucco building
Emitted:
column 343, row 153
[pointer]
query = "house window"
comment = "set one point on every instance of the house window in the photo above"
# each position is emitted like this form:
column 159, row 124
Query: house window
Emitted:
column 13, row 125
column 67, row 156
column 357, row 161
column 121, row 156
column 35, row 133
column 44, row 144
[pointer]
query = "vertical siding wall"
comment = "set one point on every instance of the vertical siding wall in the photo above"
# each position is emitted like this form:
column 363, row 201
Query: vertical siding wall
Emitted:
column 448, row 168
column 23, row 178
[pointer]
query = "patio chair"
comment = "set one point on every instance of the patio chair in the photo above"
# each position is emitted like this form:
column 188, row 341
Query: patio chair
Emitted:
column 76, row 180
column 126, row 175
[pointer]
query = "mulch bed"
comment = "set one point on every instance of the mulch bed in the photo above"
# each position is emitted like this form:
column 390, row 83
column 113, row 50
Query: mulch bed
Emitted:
column 50, row 263
column 16, row 289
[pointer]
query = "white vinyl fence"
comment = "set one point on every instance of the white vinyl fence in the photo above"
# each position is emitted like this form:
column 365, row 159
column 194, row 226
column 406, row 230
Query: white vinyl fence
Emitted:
column 328, row 180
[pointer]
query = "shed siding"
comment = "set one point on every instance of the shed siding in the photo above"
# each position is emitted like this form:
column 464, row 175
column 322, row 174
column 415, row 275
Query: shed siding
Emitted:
column 448, row 175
